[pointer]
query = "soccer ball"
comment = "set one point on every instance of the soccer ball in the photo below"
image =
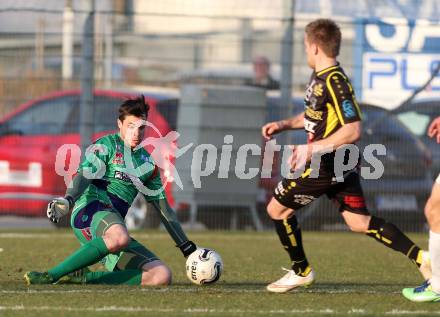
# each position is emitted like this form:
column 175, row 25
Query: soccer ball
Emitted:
column 204, row 266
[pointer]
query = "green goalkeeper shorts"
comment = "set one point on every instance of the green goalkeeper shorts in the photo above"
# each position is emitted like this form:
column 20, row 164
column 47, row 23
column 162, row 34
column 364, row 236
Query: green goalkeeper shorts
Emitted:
column 92, row 220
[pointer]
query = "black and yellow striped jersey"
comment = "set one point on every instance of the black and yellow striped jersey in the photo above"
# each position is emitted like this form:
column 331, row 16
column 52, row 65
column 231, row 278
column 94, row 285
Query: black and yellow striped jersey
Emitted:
column 329, row 103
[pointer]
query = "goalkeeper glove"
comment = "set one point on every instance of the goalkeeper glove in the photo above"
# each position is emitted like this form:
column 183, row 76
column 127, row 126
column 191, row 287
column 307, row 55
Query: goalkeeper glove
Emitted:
column 59, row 207
column 187, row 248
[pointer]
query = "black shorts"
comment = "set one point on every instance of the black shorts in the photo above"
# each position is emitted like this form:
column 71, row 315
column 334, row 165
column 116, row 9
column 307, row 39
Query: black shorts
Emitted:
column 299, row 192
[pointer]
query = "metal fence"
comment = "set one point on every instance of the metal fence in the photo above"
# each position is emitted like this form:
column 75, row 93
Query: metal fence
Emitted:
column 138, row 49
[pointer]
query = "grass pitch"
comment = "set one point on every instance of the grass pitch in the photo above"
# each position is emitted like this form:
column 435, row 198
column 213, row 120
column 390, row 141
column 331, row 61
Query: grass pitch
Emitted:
column 356, row 276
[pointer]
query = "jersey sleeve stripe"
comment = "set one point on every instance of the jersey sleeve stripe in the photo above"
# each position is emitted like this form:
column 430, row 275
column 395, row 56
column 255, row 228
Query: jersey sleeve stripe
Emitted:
column 335, row 100
column 332, row 120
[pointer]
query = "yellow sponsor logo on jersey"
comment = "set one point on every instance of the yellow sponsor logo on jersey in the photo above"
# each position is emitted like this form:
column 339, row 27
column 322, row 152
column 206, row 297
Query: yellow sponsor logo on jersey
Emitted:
column 313, row 114
column 317, row 90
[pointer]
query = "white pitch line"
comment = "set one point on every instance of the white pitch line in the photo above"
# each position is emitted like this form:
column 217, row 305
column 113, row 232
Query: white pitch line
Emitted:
column 412, row 312
column 203, row 310
column 357, row 311
column 142, row 290
column 193, row 290
column 96, row 309
column 197, row 311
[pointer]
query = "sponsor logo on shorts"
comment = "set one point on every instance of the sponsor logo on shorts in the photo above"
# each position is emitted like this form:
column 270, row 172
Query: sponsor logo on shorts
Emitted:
column 303, row 199
column 87, row 233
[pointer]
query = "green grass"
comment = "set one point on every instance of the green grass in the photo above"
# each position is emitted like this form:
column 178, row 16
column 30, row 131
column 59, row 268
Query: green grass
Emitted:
column 356, row 276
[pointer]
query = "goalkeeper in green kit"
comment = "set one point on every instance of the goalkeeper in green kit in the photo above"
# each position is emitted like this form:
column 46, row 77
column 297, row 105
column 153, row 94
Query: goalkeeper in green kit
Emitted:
column 107, row 182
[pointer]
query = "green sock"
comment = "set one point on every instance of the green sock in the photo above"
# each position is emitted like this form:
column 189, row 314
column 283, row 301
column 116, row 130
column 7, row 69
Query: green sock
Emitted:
column 127, row 277
column 86, row 255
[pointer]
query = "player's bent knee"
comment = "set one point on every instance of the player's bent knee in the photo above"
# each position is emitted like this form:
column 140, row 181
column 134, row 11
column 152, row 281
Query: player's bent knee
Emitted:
column 276, row 211
column 432, row 213
column 429, row 212
column 116, row 238
column 123, row 242
column 163, row 277
column 357, row 223
column 159, row 275
column 117, row 243
column 273, row 214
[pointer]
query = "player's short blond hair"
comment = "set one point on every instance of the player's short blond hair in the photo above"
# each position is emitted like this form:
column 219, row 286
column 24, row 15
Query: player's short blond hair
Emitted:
column 326, row 34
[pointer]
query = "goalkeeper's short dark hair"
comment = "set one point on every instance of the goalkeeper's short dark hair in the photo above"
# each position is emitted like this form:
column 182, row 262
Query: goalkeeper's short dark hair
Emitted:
column 134, row 107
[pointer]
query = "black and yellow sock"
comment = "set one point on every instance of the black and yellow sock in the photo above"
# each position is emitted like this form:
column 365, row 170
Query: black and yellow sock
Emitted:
column 389, row 235
column 290, row 237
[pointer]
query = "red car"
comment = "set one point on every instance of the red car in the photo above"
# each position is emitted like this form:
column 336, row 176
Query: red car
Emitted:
column 31, row 135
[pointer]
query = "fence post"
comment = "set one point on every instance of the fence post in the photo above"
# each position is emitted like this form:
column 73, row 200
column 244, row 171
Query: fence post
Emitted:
column 68, row 19
column 87, row 80
column 246, row 40
column 286, row 62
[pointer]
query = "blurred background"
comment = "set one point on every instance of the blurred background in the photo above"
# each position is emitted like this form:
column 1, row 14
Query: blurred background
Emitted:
column 210, row 69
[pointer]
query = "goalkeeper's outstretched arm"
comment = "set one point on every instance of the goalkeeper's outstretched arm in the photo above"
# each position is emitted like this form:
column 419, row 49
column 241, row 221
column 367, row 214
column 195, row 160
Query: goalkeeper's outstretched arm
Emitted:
column 61, row 206
column 169, row 219
column 77, row 187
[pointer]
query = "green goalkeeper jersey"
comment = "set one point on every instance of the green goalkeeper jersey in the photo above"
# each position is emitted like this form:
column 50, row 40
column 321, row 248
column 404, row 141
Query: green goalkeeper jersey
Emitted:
column 118, row 173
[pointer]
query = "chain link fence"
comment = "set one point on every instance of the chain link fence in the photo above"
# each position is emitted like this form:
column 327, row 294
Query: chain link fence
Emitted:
column 157, row 50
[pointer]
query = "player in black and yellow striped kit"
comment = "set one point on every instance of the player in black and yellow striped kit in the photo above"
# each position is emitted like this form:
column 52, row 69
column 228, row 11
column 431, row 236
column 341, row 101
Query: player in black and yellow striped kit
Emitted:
column 332, row 119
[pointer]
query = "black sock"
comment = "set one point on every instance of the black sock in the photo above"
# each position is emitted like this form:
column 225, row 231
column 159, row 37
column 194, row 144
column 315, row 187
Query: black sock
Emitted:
column 290, row 237
column 389, row 235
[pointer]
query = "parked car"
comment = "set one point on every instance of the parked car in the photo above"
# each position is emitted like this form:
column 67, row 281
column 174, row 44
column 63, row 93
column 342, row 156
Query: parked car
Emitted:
column 400, row 193
column 417, row 116
column 31, row 135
